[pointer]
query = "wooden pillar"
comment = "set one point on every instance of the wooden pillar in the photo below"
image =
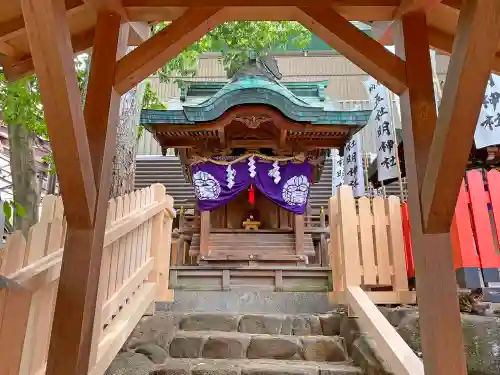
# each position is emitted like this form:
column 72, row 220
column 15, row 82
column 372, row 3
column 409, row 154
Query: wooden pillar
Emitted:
column 204, row 232
column 299, row 234
column 441, row 334
column 83, row 148
column 323, row 244
column 284, row 218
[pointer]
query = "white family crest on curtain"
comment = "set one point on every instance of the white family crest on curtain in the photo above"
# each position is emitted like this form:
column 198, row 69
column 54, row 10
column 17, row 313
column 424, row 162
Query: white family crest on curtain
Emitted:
column 488, row 126
column 353, row 165
column 338, row 170
column 387, row 167
column 206, row 186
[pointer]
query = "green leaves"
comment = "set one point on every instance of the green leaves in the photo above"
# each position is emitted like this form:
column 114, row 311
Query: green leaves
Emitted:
column 7, row 211
column 9, row 207
column 150, row 99
column 237, row 41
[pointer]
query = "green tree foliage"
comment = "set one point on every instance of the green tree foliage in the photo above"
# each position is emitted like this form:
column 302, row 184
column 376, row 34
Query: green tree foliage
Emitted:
column 20, row 102
column 151, row 100
column 237, row 41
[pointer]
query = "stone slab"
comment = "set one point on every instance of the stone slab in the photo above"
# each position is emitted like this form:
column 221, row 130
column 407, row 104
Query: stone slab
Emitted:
column 203, row 366
column 218, row 344
column 248, row 302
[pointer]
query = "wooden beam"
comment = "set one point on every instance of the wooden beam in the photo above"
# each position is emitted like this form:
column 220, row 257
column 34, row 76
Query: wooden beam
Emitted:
column 15, row 26
column 394, row 351
column 70, row 346
column 138, row 32
column 17, row 69
column 50, row 44
column 237, row 3
column 102, row 101
column 164, row 46
column 358, row 47
column 407, row 6
column 474, row 49
column 443, row 42
column 441, row 335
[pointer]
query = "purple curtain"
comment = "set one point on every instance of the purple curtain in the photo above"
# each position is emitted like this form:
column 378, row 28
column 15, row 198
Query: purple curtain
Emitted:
column 290, row 190
column 286, row 184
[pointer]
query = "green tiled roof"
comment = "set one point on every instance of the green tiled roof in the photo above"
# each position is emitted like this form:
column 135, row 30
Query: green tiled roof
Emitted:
column 299, row 101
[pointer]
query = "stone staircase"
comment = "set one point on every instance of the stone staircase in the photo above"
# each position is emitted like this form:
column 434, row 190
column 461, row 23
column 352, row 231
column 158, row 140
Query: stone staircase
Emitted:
column 322, row 190
column 167, row 170
column 263, row 341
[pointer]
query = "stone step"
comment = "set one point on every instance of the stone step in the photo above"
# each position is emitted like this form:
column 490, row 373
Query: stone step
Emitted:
column 248, row 302
column 204, row 366
column 270, row 324
column 232, row 345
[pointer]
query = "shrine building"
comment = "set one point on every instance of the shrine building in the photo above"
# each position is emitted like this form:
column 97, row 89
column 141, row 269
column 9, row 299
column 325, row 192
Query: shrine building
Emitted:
column 251, row 148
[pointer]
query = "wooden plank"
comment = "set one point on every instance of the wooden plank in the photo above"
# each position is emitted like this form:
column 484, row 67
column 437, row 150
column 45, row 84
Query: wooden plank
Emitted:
column 35, row 250
column 164, row 46
column 381, row 241
column 13, row 254
column 164, row 292
column 394, row 351
column 102, row 291
column 474, row 49
column 485, row 247
column 157, row 235
column 441, row 335
column 50, row 45
column 115, row 253
column 123, row 244
column 136, row 201
column 48, row 296
column 366, row 239
column 117, row 333
column 396, row 244
column 349, row 244
column 358, row 47
column 14, row 312
column 334, row 245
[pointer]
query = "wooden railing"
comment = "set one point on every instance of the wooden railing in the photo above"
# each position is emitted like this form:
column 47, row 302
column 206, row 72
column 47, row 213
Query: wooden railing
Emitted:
column 397, row 356
column 134, row 273
column 366, row 247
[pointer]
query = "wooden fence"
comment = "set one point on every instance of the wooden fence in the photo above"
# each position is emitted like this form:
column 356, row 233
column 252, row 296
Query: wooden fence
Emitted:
column 134, row 273
column 367, row 248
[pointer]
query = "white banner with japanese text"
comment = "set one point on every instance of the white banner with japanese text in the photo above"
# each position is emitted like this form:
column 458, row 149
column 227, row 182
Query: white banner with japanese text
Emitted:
column 353, row 165
column 488, row 126
column 387, row 167
column 338, row 170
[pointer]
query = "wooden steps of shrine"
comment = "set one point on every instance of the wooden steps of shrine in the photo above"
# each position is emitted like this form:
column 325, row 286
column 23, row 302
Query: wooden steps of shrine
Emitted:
column 250, row 248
